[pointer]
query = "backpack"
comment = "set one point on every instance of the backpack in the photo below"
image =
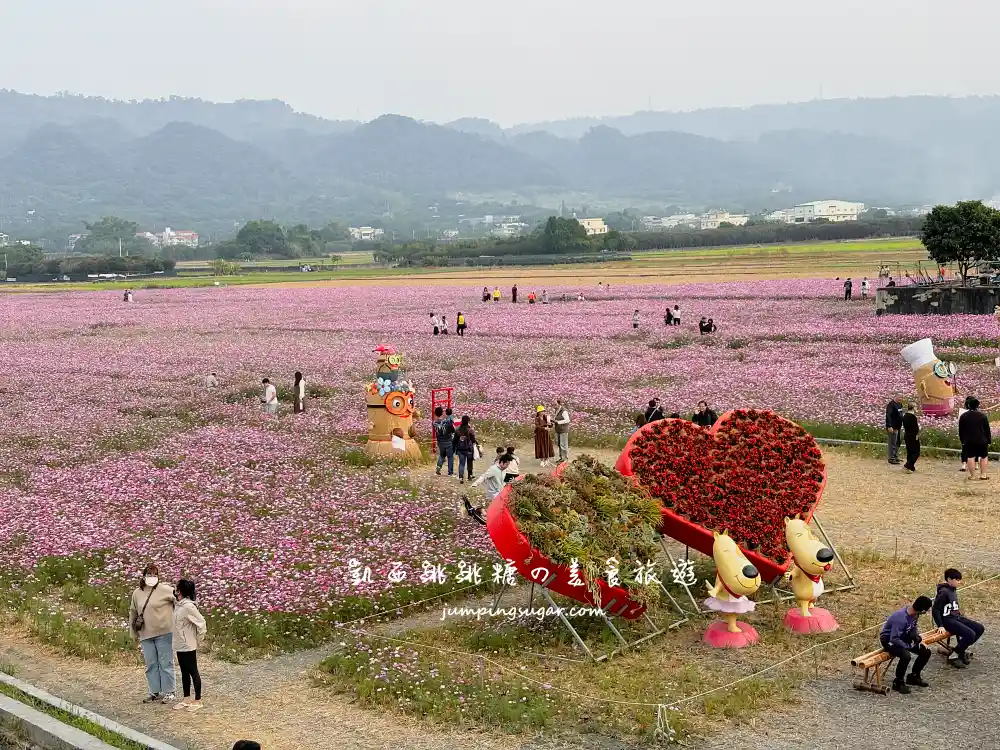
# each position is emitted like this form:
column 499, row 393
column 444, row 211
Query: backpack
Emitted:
column 463, row 442
column 443, row 430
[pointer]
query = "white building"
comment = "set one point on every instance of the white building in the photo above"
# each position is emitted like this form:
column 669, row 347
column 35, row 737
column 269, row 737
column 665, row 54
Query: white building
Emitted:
column 713, row 219
column 171, row 237
column 151, row 238
column 366, row 234
column 509, row 229
column 831, row 210
column 4, row 239
column 594, row 226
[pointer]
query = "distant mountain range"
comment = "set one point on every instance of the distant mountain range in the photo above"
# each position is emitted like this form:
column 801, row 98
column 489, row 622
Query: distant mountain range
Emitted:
column 186, row 160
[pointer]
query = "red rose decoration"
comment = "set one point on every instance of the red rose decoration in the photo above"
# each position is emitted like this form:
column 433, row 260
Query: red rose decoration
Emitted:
column 745, row 475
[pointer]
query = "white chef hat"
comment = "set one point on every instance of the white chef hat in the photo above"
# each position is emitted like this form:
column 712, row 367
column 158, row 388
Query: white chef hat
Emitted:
column 919, row 353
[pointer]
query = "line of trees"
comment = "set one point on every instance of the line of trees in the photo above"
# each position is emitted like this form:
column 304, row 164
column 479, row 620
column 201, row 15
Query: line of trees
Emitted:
column 560, row 237
column 29, row 261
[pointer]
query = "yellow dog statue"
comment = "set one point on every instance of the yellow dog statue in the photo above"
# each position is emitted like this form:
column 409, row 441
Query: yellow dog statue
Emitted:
column 810, row 560
column 735, row 579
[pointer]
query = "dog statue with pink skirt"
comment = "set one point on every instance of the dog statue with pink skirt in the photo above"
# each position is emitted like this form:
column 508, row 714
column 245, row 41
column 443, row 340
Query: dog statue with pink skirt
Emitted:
column 810, row 560
column 735, row 579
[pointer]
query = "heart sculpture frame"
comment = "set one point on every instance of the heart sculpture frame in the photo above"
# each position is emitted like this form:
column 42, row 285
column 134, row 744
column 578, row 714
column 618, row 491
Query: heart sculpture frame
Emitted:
column 790, row 478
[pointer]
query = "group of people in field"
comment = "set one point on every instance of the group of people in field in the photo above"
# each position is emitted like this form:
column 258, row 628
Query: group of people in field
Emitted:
column 903, row 428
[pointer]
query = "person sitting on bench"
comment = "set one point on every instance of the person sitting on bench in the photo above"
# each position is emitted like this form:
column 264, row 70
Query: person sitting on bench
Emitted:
column 900, row 637
column 947, row 615
column 492, row 481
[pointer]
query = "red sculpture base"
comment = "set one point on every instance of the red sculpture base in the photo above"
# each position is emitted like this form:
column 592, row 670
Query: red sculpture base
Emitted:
column 718, row 635
column 820, row 622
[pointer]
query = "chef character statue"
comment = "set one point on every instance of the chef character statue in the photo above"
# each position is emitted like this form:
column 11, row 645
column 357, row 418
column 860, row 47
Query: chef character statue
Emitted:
column 935, row 379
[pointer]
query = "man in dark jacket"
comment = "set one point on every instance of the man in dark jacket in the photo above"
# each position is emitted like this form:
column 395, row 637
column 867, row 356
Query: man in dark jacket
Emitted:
column 704, row 417
column 654, row 412
column 893, row 424
column 974, row 432
column 900, row 637
column 911, row 429
column 948, row 616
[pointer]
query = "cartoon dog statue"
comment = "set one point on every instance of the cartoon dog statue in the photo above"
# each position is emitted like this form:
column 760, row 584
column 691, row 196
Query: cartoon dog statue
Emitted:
column 735, row 579
column 810, row 560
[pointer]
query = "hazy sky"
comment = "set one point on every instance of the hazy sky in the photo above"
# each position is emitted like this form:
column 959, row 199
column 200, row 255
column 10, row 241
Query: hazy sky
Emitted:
column 510, row 61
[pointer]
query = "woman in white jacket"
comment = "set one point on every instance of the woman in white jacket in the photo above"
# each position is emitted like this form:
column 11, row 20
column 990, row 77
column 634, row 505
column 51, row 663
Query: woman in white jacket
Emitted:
column 189, row 632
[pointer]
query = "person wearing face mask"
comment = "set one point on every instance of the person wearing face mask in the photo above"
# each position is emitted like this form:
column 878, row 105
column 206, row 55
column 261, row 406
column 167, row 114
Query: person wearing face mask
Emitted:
column 151, row 621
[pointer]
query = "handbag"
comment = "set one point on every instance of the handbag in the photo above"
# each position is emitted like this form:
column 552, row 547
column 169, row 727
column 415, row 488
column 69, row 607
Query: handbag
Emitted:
column 476, row 452
column 140, row 622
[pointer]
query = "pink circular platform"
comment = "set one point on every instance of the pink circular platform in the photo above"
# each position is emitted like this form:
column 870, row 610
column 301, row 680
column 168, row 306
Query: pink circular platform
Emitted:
column 718, row 635
column 820, row 622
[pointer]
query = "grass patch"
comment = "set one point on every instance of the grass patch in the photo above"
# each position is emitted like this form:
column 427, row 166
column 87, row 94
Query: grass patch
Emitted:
column 85, row 725
column 679, row 342
column 474, row 672
column 357, row 458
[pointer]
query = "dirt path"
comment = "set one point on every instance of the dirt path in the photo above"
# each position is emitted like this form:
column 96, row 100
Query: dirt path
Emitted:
column 867, row 504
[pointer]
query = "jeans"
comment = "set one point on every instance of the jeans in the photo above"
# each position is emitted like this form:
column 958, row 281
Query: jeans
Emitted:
column 967, row 631
column 158, row 653
column 912, row 452
column 562, row 441
column 188, row 662
column 465, row 464
column 892, row 440
column 446, row 451
column 903, row 659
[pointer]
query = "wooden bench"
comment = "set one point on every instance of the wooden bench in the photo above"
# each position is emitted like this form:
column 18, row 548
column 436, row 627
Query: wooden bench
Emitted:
column 876, row 663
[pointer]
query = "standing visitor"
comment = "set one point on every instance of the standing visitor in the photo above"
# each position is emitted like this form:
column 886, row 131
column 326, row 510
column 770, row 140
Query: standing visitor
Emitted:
column 864, row 288
column 654, row 412
column 269, row 401
column 151, row 618
column 514, row 470
column 974, row 432
column 562, row 423
column 189, row 633
column 128, row 295
column 496, row 294
column 702, row 325
column 513, row 294
column 444, row 325
column 486, row 294
column 125, row 296
column 668, row 317
column 299, row 394
column 961, row 410
column 545, row 296
column 212, row 381
column 893, row 424
column 460, row 324
column 711, row 326
column 444, row 436
column 640, row 422
column 543, row 440
column 465, row 447
column 848, row 287
column 704, row 417
column 435, row 324
column 911, row 429
column 675, row 315
column 635, row 320
column 531, row 298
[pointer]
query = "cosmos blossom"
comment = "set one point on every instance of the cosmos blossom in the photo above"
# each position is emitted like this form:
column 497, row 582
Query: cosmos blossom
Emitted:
column 112, row 443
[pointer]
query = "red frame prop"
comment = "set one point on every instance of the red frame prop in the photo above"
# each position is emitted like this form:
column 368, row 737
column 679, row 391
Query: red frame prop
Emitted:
column 514, row 546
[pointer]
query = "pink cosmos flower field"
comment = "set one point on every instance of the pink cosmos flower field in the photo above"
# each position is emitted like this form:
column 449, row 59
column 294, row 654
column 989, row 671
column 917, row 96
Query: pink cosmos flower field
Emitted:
column 112, row 445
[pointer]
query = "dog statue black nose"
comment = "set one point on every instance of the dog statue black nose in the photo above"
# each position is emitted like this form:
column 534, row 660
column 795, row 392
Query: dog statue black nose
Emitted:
column 750, row 572
column 825, row 555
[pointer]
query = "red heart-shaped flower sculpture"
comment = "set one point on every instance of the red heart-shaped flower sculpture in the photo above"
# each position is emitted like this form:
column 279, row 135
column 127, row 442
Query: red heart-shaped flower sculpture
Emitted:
column 744, row 476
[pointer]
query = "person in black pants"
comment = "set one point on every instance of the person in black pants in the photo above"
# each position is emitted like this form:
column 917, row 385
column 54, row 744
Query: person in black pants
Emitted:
column 900, row 637
column 893, row 424
column 911, row 429
column 948, row 616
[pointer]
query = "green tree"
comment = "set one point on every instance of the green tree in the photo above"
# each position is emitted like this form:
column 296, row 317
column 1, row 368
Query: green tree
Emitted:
column 111, row 234
column 222, row 267
column 564, row 236
column 263, row 238
column 880, row 213
column 966, row 234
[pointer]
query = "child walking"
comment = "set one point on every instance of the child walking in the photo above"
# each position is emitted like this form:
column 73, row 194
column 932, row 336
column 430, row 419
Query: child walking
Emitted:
column 189, row 632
